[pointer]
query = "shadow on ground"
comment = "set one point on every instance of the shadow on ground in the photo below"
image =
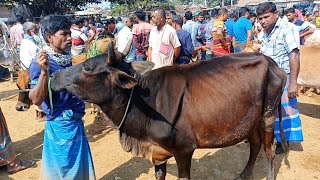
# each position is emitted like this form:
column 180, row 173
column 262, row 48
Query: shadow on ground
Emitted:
column 225, row 164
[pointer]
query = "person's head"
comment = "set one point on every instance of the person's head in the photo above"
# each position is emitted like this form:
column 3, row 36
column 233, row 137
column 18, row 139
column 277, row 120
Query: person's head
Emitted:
column 119, row 19
column 79, row 22
column 177, row 21
column 56, row 32
column 169, row 17
column 188, row 15
column 201, row 17
column 316, row 13
column 141, row 16
column 214, row 13
column 19, row 18
column 159, row 18
column 232, row 16
column 92, row 24
column 309, row 17
column 29, row 28
column 253, row 17
column 291, row 14
column 267, row 15
column 128, row 21
column 222, row 14
column 244, row 12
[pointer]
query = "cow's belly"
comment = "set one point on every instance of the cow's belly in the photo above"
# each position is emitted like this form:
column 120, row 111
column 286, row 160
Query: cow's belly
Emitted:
column 223, row 117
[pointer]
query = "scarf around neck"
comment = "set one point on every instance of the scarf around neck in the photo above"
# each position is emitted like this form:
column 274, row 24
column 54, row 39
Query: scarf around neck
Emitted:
column 61, row 59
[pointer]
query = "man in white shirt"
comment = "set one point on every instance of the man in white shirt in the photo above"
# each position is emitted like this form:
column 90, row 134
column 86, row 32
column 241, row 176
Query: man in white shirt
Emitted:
column 28, row 48
column 124, row 39
column 164, row 45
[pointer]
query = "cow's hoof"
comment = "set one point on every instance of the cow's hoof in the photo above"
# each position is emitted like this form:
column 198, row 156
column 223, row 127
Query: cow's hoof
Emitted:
column 22, row 108
column 245, row 177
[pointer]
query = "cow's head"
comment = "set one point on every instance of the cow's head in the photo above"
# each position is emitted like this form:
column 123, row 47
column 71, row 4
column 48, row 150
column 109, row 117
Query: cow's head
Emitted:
column 101, row 78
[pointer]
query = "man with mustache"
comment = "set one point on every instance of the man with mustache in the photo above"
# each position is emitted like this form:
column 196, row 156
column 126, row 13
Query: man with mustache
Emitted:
column 66, row 153
column 280, row 41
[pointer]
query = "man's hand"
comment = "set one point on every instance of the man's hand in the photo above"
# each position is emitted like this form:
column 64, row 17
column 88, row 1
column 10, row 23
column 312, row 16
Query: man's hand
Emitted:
column 293, row 90
column 43, row 61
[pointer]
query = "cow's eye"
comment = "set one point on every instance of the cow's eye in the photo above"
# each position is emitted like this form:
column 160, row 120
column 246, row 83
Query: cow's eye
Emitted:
column 86, row 68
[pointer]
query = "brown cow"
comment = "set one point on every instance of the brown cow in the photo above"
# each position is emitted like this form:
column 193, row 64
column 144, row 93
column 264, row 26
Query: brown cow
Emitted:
column 23, row 97
column 174, row 110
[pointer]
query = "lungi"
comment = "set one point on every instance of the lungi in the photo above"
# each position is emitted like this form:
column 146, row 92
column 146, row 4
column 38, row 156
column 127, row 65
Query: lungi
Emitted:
column 66, row 153
column 7, row 153
column 290, row 118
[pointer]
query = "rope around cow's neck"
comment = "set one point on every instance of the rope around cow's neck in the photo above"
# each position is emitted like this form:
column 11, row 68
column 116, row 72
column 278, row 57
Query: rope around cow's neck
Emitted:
column 126, row 112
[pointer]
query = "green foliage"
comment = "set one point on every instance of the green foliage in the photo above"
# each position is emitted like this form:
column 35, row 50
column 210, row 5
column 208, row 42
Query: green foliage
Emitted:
column 121, row 9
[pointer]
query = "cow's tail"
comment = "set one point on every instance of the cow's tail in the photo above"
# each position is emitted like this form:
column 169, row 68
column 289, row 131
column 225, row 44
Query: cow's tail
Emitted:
column 284, row 142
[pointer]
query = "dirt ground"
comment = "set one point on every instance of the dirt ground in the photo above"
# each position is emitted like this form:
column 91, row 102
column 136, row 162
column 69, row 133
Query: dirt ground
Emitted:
column 111, row 162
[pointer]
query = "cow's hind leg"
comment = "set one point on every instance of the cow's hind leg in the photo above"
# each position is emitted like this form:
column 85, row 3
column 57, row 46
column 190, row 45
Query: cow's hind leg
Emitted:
column 255, row 146
column 269, row 148
column 161, row 171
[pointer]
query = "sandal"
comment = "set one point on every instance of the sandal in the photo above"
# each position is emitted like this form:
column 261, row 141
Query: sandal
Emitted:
column 19, row 166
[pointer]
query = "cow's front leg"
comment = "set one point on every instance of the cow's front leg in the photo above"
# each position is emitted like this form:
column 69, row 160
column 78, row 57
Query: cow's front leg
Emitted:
column 184, row 164
column 161, row 171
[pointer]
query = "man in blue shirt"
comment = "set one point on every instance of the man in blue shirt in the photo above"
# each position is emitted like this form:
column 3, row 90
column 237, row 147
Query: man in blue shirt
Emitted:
column 242, row 30
column 185, row 41
column 230, row 24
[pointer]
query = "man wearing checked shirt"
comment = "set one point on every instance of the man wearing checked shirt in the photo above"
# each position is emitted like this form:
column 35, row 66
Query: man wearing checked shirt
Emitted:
column 280, row 41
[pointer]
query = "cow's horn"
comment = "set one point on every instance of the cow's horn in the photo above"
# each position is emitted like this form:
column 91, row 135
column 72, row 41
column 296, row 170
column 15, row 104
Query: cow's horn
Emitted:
column 111, row 55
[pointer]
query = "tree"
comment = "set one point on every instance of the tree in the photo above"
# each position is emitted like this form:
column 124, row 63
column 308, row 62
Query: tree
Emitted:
column 46, row 7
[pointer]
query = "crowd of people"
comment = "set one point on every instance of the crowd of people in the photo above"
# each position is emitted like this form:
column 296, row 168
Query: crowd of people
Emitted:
column 167, row 39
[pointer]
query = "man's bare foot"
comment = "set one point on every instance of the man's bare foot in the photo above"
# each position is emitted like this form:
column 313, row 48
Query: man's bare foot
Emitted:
column 19, row 165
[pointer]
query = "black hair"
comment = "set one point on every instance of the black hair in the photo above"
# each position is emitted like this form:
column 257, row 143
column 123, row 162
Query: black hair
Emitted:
column 232, row 15
column 19, row 18
column 78, row 20
column 201, row 14
column 141, row 15
column 214, row 12
column 53, row 23
column 173, row 13
column 177, row 19
column 252, row 15
column 119, row 19
column 188, row 15
column 266, row 7
column 243, row 11
column 290, row 10
column 112, row 20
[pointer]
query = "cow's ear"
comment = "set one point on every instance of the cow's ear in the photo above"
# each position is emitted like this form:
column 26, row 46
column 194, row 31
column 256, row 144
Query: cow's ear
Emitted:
column 111, row 54
column 123, row 80
column 142, row 66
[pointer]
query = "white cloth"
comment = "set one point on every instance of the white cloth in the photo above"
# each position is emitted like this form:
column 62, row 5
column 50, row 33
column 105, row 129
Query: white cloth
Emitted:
column 28, row 50
column 168, row 36
column 124, row 36
column 76, row 33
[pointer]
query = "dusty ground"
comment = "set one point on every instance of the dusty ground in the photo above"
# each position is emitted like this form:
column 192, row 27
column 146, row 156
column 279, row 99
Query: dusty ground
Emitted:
column 111, row 162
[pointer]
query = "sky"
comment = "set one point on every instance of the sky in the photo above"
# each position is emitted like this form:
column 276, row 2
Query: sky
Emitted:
column 104, row 4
